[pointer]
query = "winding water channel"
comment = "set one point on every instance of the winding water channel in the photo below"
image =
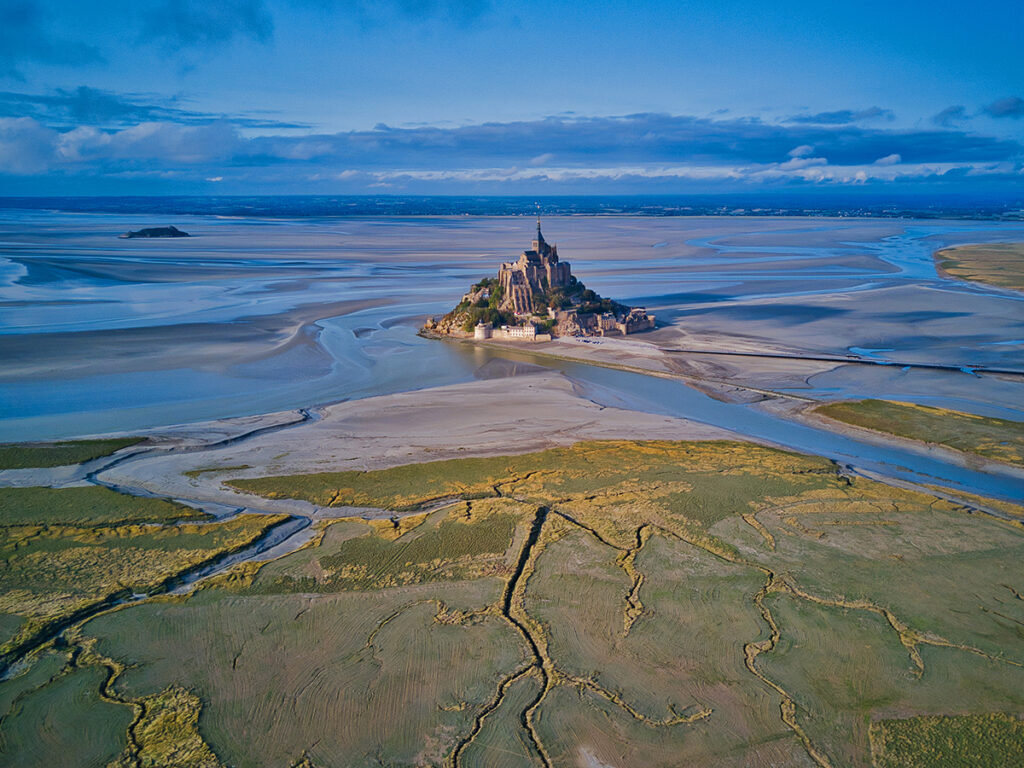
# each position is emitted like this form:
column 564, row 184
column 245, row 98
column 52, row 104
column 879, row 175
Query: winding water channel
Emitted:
column 65, row 295
column 652, row 394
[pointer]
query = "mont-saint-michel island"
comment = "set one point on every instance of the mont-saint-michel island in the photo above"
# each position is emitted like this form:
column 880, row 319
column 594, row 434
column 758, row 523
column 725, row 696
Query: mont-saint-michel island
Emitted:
column 316, row 452
column 536, row 298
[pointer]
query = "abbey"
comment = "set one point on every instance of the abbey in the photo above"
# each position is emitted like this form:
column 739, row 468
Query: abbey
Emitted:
column 536, row 271
column 536, row 298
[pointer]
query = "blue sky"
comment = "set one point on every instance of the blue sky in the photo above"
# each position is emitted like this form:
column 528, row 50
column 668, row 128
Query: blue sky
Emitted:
column 474, row 96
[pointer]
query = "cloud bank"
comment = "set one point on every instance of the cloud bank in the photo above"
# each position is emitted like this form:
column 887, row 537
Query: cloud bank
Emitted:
column 596, row 153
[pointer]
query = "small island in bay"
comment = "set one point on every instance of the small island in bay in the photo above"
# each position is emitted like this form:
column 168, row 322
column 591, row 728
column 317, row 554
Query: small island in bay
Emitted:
column 535, row 299
column 171, row 231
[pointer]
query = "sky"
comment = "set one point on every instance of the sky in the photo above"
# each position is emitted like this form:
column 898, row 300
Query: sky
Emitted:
column 519, row 97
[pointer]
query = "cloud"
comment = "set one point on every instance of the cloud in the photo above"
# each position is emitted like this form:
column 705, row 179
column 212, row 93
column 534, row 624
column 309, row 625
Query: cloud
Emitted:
column 618, row 152
column 950, row 116
column 639, row 138
column 1011, row 106
column 153, row 145
column 26, row 147
column 801, row 162
column 105, row 109
column 24, row 39
column 181, row 24
column 844, row 116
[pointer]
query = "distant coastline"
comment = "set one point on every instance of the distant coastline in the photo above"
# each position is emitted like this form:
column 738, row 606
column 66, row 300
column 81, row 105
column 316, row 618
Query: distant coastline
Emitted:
column 825, row 205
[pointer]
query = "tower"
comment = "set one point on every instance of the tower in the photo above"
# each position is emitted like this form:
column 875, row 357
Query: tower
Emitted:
column 539, row 246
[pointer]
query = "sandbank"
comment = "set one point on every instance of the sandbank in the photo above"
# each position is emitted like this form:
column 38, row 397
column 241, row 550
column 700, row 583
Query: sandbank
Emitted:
column 490, row 417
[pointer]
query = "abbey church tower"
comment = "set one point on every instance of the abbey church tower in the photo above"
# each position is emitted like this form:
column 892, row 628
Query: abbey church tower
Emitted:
column 534, row 272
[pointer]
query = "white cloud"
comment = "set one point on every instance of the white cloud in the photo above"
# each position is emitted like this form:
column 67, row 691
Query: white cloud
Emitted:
column 892, row 159
column 802, row 162
column 26, row 147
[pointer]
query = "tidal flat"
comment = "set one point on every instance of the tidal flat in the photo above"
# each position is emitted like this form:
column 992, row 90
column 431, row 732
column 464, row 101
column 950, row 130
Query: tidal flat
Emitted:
column 251, row 316
column 307, row 536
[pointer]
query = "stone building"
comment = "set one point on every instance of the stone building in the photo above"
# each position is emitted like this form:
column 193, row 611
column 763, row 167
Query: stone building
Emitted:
column 527, row 331
column 534, row 272
column 571, row 323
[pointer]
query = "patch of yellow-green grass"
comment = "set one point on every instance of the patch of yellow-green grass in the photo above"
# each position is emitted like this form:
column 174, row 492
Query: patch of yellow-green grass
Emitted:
column 569, row 472
column 51, row 572
column 87, row 506
column 999, row 439
column 42, row 455
column 457, row 543
column 964, row 741
column 1000, row 264
column 167, row 734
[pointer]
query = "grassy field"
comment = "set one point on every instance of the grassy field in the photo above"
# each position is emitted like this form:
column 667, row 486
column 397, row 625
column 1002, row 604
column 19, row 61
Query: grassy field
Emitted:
column 613, row 603
column 1000, row 264
column 40, row 455
column 668, row 468
column 350, row 678
column 64, row 550
column 988, row 741
column 998, row 439
column 451, row 545
column 87, row 506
